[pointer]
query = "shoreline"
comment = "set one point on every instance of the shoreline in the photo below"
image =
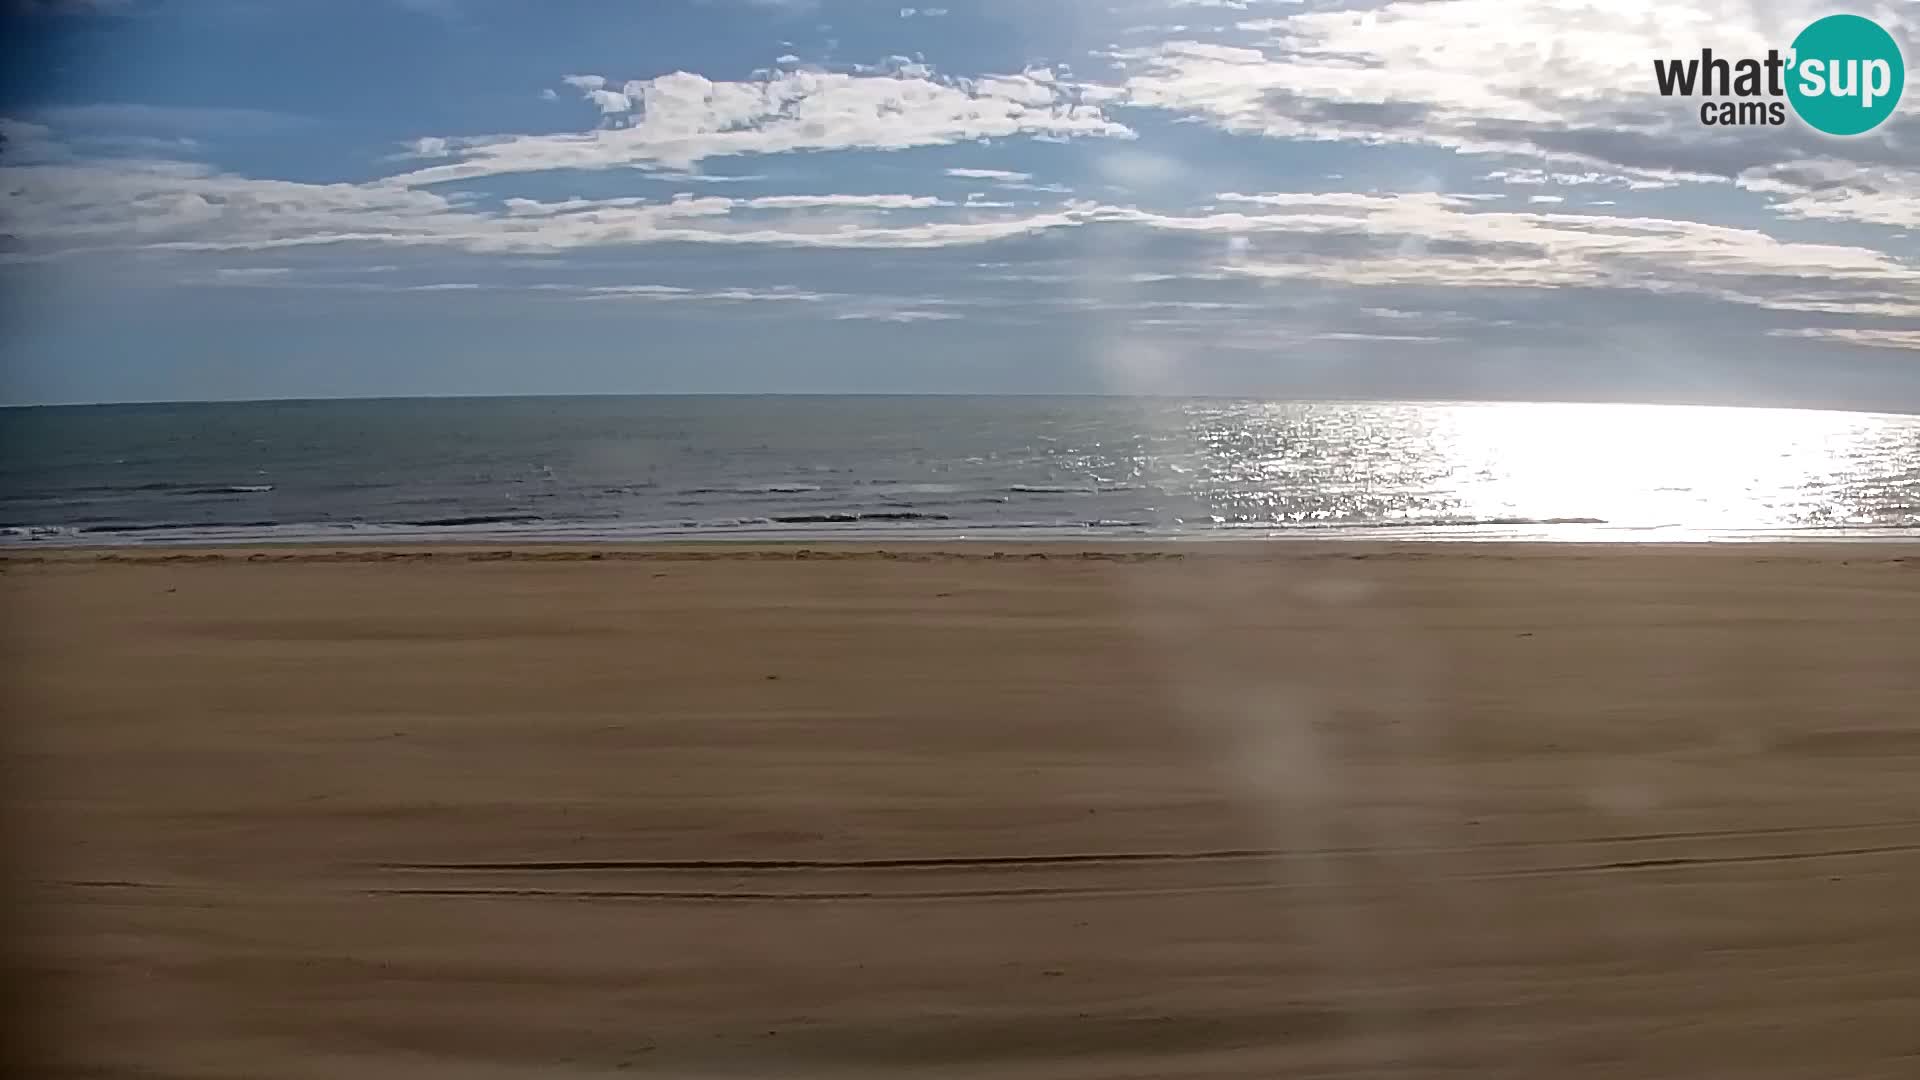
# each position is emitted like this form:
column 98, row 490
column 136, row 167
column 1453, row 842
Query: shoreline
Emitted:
column 1892, row 549
column 1464, row 537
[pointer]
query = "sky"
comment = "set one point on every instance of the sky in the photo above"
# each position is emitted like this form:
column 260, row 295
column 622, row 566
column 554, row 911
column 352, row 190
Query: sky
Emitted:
column 1454, row 199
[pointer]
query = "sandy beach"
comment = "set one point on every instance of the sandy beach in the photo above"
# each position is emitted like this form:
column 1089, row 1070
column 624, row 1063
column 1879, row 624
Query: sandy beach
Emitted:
column 1213, row 810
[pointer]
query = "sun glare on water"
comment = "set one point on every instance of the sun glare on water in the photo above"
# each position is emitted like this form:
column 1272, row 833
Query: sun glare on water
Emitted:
column 1662, row 466
column 1611, row 471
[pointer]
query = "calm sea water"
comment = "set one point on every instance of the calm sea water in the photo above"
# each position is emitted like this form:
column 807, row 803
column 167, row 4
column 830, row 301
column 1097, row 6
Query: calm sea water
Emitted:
column 663, row 467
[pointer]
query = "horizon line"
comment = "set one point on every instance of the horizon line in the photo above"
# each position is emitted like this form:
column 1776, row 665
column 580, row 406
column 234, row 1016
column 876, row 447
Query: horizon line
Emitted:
column 1004, row 395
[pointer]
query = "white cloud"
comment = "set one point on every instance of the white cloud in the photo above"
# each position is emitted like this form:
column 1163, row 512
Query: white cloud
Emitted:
column 990, row 174
column 896, row 315
column 77, row 208
column 873, row 202
column 677, row 294
column 1355, row 239
column 843, row 307
column 1885, row 339
column 585, row 83
column 1536, row 177
column 1034, row 88
column 687, row 204
column 1007, row 180
column 1833, row 190
column 249, row 274
column 1358, row 335
column 25, row 143
column 1400, row 315
column 710, row 178
column 902, row 67
column 429, row 147
column 1442, row 241
column 280, row 276
column 1560, row 81
column 682, row 118
column 610, row 101
column 134, row 204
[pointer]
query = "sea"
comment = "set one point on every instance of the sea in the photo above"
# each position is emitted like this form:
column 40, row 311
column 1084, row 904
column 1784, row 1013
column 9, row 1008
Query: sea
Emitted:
column 676, row 468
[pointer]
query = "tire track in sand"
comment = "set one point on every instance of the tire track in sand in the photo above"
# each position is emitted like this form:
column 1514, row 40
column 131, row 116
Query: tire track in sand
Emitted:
column 757, row 866
column 1026, row 866
column 1071, row 891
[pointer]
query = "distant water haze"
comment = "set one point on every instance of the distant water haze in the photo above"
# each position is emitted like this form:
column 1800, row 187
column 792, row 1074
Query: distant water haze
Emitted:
column 701, row 467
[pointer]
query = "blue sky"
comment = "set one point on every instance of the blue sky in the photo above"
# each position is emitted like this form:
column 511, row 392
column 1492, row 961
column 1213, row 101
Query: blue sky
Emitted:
column 1441, row 198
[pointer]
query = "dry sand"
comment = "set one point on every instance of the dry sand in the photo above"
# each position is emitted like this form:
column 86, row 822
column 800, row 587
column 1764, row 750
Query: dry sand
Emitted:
column 1217, row 811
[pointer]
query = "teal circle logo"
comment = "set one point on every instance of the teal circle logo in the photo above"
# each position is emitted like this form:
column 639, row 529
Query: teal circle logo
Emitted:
column 1847, row 74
